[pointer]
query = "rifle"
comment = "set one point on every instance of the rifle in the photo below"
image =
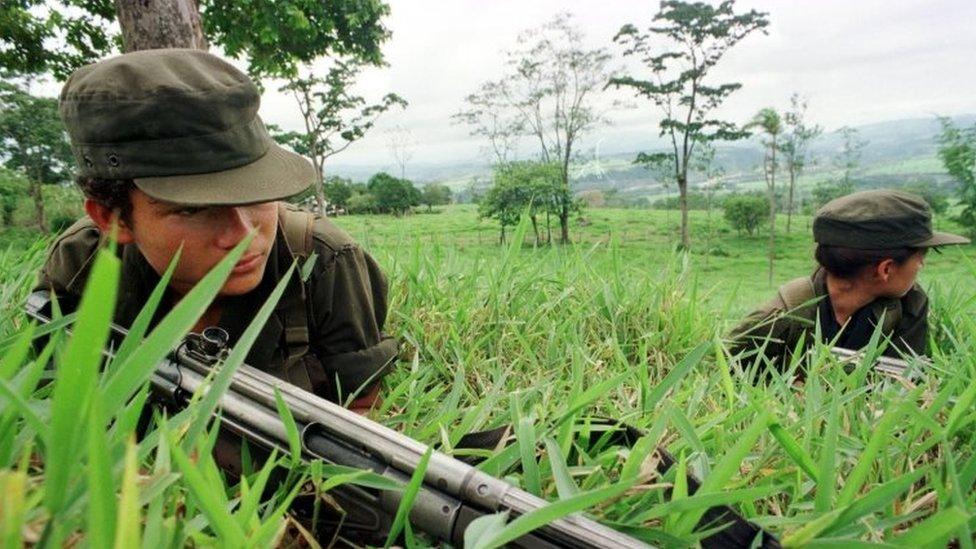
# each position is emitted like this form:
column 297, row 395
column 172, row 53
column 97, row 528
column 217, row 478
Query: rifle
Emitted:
column 453, row 493
column 890, row 366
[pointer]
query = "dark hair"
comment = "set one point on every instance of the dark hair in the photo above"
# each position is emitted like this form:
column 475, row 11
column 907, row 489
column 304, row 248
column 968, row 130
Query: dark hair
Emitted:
column 115, row 194
column 847, row 263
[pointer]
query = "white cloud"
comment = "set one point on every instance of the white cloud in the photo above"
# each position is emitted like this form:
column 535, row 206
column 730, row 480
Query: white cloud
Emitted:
column 858, row 62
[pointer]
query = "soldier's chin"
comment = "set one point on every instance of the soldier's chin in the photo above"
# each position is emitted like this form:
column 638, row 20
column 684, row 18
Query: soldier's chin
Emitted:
column 241, row 284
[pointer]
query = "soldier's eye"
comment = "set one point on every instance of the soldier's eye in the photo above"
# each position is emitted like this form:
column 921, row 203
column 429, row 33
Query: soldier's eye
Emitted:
column 188, row 211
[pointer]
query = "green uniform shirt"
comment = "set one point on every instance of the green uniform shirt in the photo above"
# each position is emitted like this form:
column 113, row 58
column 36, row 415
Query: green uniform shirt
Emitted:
column 794, row 312
column 324, row 335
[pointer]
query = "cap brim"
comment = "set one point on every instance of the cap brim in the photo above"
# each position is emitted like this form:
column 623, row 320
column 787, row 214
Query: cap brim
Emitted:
column 276, row 175
column 942, row 239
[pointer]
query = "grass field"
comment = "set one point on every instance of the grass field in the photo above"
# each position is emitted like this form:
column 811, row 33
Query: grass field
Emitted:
column 617, row 325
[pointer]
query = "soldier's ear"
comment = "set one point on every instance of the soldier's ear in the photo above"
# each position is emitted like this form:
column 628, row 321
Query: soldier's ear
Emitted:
column 884, row 269
column 104, row 217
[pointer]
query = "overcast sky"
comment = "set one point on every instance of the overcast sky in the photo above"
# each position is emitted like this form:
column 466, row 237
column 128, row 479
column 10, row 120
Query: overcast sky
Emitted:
column 857, row 61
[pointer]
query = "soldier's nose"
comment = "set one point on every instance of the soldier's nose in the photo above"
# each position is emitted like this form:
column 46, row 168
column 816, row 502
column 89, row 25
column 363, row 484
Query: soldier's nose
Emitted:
column 236, row 225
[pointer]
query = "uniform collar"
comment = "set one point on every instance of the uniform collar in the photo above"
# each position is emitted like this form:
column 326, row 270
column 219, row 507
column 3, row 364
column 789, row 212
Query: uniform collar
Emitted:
column 887, row 308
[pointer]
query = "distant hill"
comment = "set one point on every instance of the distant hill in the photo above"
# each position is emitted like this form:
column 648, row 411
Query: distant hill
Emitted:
column 896, row 151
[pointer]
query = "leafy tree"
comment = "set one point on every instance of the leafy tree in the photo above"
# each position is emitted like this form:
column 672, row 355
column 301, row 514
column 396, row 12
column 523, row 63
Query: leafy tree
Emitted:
column 937, row 198
column 849, row 159
column 278, row 36
column 435, row 194
column 701, row 35
column 504, row 202
column 392, row 195
column 337, row 190
column 957, row 149
column 794, row 146
column 533, row 187
column 33, row 140
column 334, row 117
column 770, row 123
column 362, row 203
column 13, row 187
column 745, row 213
column 547, row 96
column 825, row 192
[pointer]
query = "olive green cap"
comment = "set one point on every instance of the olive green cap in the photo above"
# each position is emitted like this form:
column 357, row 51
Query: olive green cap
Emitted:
column 182, row 124
column 878, row 220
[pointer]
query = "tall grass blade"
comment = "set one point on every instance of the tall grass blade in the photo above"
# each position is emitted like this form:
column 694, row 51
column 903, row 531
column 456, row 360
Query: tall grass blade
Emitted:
column 408, row 497
column 544, row 515
column 75, row 376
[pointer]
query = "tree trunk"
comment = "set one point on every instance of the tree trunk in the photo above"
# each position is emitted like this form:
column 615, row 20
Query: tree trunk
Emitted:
column 772, row 211
column 35, row 191
column 789, row 205
column 683, row 206
column 535, row 229
column 564, row 210
column 501, row 239
column 320, row 198
column 548, row 229
column 154, row 24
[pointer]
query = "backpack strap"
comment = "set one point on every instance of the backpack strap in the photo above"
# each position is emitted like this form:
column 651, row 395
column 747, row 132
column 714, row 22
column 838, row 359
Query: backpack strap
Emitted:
column 296, row 226
column 797, row 293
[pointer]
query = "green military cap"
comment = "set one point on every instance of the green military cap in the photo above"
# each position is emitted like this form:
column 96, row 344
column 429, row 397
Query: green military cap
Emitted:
column 182, row 124
column 877, row 220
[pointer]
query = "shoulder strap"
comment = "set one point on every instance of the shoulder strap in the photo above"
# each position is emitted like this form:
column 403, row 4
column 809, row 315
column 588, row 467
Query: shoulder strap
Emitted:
column 297, row 227
column 797, row 292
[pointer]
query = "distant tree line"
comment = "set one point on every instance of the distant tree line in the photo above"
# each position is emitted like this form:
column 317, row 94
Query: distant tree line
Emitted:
column 381, row 194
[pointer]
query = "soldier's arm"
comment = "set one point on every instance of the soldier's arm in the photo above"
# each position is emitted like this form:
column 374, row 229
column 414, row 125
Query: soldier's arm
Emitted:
column 762, row 330
column 350, row 296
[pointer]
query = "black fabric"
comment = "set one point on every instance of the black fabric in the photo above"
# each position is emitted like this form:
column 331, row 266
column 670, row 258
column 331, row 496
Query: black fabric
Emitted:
column 854, row 335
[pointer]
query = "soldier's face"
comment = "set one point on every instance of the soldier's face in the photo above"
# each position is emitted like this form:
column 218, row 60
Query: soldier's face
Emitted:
column 206, row 234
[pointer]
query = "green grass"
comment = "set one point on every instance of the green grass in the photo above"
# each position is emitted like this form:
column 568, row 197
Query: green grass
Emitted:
column 617, row 325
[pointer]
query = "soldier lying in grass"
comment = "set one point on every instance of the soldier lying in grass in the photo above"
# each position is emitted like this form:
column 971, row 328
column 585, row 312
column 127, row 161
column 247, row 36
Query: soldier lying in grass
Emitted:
column 169, row 145
column 870, row 248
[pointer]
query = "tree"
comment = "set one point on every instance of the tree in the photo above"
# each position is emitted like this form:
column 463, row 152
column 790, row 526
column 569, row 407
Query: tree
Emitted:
column 957, row 150
column 827, row 191
column 547, row 96
column 770, row 123
column 505, row 202
column 151, row 24
column 12, row 188
column 936, row 198
column 33, row 140
column 849, row 159
column 745, row 213
column 334, row 117
column 337, row 191
column 536, row 188
column 277, row 37
column 701, row 34
column 706, row 166
column 794, row 146
column 401, row 144
column 392, row 195
column 435, row 194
